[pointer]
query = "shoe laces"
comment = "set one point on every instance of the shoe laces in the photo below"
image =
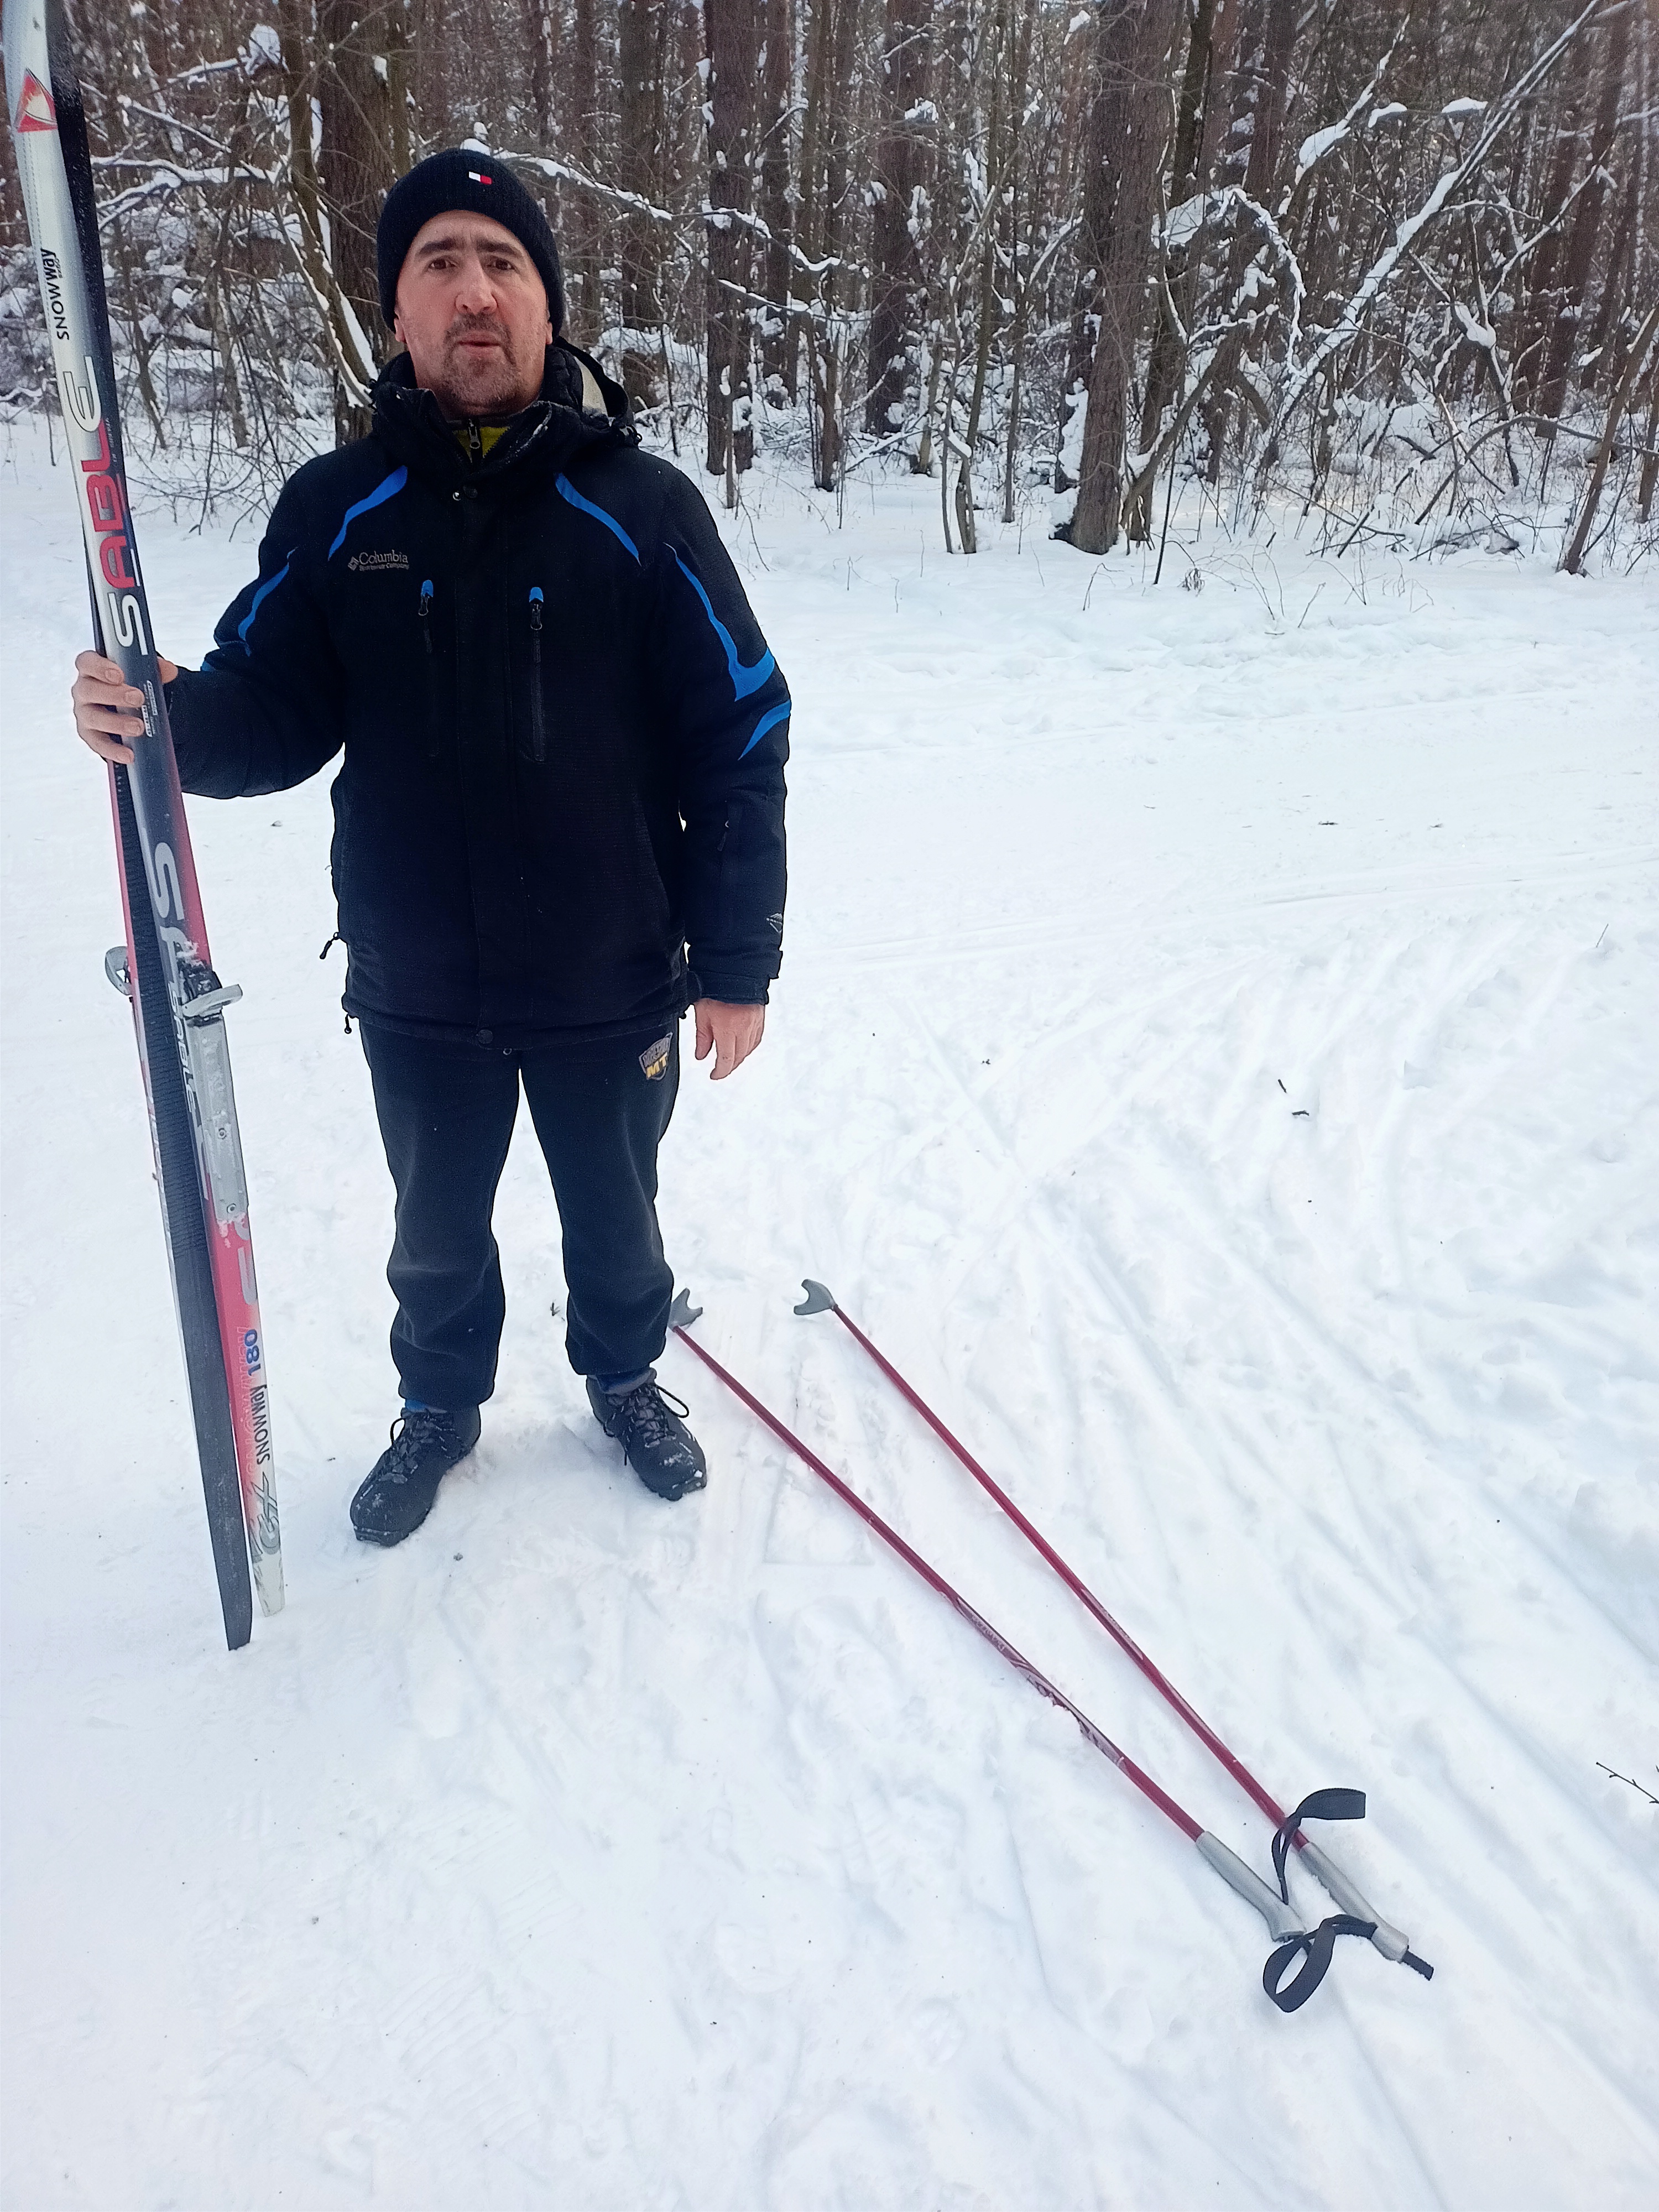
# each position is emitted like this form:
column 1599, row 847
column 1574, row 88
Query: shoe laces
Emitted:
column 650, row 1409
column 410, row 1434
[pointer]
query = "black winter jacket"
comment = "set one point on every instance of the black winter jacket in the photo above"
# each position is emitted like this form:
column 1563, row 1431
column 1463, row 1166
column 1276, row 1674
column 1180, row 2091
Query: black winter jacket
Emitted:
column 563, row 734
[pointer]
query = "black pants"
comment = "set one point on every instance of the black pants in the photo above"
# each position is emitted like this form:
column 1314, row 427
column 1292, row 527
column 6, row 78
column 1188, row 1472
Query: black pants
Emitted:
column 447, row 1112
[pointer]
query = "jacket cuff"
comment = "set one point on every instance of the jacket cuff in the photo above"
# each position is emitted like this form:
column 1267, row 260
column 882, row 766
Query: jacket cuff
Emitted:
column 732, row 990
column 176, row 699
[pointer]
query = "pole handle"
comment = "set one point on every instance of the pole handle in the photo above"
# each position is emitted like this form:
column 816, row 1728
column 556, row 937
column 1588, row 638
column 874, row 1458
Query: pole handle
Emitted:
column 1283, row 1924
column 1336, row 1884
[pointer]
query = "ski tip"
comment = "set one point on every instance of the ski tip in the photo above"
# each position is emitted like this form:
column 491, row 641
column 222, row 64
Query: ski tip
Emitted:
column 818, row 1298
column 682, row 1313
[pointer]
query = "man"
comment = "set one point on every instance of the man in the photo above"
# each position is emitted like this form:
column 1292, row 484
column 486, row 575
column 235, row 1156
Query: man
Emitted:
column 558, row 821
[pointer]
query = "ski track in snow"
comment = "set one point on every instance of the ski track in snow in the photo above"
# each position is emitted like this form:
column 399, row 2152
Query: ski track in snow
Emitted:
column 1215, row 1060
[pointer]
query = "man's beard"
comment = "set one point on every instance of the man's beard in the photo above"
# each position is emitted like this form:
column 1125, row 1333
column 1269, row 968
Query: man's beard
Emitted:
column 492, row 385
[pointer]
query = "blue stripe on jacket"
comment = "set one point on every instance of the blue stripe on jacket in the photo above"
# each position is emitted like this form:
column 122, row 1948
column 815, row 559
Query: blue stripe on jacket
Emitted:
column 388, row 488
column 259, row 597
column 744, row 679
column 566, row 491
column 768, row 720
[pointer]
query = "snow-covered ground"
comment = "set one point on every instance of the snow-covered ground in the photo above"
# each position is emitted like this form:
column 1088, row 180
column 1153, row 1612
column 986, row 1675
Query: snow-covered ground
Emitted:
column 1216, row 1058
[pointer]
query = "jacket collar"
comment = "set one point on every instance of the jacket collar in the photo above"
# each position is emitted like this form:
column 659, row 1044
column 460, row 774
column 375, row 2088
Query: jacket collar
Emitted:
column 543, row 437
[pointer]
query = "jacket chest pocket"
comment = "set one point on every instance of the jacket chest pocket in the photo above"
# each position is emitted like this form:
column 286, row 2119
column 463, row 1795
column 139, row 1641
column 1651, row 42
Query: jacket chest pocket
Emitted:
column 528, row 654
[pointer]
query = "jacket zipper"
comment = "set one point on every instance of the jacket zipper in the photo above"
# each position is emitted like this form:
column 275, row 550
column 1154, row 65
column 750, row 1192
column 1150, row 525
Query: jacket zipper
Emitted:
column 431, row 671
column 538, row 727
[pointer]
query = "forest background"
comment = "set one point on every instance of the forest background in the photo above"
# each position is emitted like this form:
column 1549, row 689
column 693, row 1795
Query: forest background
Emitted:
column 1397, row 259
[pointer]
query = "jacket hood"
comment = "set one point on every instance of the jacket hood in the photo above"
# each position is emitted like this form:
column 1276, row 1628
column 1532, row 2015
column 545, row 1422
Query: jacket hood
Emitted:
column 580, row 407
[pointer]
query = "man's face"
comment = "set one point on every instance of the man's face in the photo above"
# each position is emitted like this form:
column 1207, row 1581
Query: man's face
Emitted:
column 472, row 310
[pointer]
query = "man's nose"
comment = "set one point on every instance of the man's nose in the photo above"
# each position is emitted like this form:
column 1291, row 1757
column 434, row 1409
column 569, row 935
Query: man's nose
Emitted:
column 476, row 293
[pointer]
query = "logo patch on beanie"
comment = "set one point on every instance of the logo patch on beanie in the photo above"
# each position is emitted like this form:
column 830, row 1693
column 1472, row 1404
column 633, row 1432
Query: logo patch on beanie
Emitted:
column 477, row 177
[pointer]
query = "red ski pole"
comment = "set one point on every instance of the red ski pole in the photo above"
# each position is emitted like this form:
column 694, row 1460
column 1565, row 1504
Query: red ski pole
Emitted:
column 1392, row 1944
column 1314, row 1945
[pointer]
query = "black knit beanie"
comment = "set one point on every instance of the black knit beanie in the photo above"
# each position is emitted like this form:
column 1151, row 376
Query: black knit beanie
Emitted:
column 480, row 185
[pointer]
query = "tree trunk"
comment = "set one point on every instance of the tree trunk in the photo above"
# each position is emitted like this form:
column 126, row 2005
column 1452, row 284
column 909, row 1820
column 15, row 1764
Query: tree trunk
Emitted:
column 1019, row 267
column 986, row 313
column 395, row 47
column 541, row 24
column 1649, row 470
column 826, row 346
column 1542, row 295
column 773, row 200
column 1248, row 158
column 809, row 197
column 583, row 303
column 1270, row 64
column 896, row 266
column 1100, row 159
column 227, row 358
column 1219, row 65
column 355, row 167
column 541, row 31
column 1586, row 223
column 141, row 345
column 1621, row 399
column 352, row 360
column 1135, row 40
column 731, row 59
column 1164, row 369
column 639, row 134
column 1614, row 284
column 432, row 73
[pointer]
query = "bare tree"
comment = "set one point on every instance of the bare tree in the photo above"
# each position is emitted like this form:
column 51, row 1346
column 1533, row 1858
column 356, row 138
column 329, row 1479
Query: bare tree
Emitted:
column 638, row 139
column 355, row 82
column 904, row 133
column 584, row 305
column 1133, row 39
column 1582, row 238
column 1572, row 558
column 775, row 195
column 731, row 112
